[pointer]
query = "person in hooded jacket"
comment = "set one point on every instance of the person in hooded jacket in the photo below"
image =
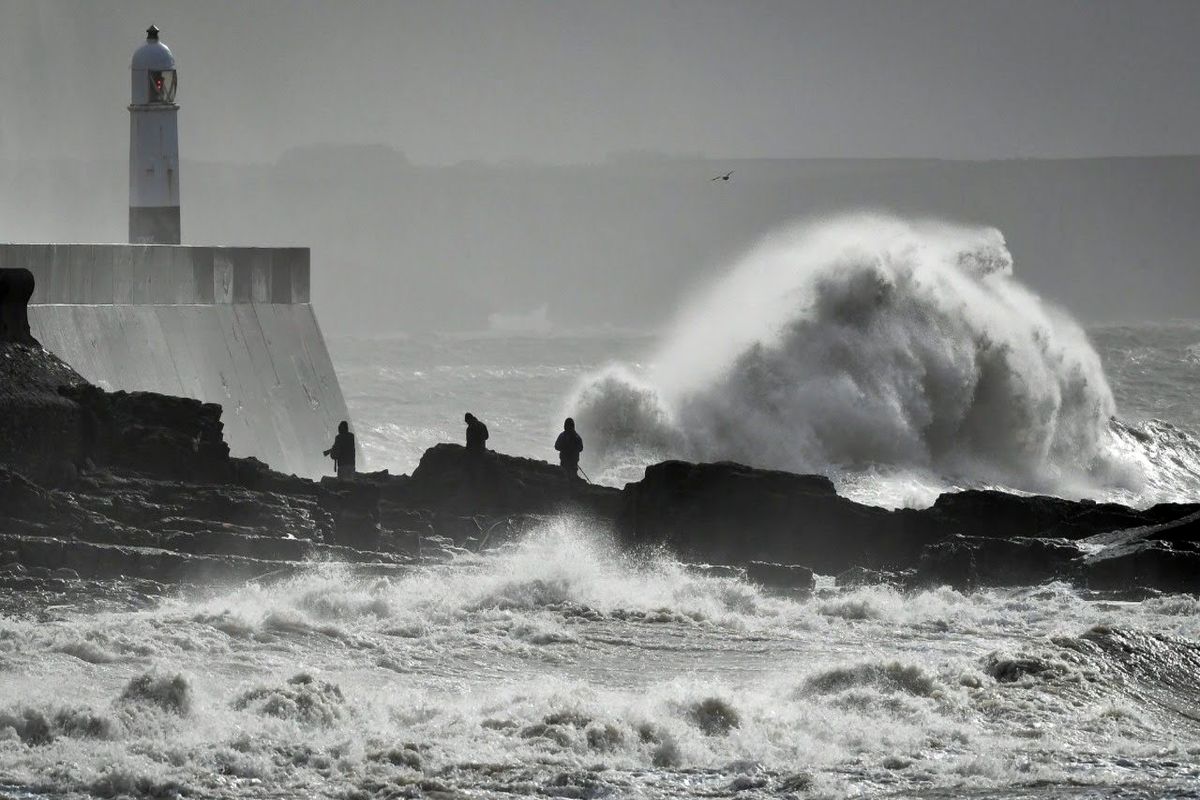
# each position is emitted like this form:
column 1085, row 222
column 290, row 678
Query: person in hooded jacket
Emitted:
column 343, row 451
column 569, row 445
column 477, row 433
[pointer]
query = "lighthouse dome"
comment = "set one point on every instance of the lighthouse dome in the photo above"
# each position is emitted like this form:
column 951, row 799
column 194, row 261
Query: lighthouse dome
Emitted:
column 153, row 71
column 153, row 55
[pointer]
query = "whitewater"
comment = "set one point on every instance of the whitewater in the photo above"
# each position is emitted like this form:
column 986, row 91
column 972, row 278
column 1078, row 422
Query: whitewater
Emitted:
column 902, row 357
column 888, row 353
column 561, row 667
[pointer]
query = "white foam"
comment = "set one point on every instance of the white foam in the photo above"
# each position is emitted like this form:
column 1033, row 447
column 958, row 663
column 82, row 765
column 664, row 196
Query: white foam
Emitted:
column 871, row 342
column 561, row 654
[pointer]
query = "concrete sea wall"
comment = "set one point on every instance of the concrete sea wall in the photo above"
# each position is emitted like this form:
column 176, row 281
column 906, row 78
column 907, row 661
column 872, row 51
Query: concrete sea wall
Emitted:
column 227, row 325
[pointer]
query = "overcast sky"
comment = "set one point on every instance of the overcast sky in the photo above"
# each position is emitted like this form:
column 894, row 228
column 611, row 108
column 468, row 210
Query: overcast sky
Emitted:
column 564, row 81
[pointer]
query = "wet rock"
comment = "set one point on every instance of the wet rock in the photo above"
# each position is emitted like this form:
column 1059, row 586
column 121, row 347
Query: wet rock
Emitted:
column 1183, row 530
column 989, row 513
column 490, row 483
column 39, row 430
column 729, row 513
column 354, row 508
column 1143, row 564
column 1164, row 556
column 152, row 434
column 787, row 577
column 968, row 562
column 269, row 548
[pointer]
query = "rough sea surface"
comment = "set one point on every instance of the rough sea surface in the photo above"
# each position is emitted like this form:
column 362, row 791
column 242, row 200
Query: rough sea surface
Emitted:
column 560, row 667
column 407, row 393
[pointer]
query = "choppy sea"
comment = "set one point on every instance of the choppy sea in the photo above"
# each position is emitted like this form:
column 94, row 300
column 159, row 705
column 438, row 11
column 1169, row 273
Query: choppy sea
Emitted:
column 561, row 667
column 407, row 393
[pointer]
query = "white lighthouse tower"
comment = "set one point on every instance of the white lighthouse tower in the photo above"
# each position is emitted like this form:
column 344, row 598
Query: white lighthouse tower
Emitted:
column 153, row 145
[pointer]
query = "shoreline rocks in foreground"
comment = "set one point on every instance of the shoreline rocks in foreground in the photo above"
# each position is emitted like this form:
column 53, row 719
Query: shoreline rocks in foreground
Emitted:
column 105, row 485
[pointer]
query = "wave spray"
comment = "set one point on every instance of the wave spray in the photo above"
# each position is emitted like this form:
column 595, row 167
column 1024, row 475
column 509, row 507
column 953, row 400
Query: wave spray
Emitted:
column 869, row 343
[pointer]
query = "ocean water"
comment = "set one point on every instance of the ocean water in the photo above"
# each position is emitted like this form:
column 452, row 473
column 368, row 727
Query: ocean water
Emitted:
column 409, row 392
column 560, row 666
column 563, row 668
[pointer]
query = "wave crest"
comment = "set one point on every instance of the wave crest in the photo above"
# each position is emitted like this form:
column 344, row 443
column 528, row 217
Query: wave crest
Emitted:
column 869, row 341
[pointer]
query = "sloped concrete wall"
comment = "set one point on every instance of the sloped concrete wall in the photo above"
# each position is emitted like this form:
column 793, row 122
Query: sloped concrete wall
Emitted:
column 224, row 325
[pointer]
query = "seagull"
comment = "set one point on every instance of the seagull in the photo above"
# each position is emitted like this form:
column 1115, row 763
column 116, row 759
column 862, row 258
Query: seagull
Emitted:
column 724, row 177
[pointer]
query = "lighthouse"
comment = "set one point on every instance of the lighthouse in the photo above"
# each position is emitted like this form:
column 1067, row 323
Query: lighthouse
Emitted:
column 153, row 145
column 222, row 324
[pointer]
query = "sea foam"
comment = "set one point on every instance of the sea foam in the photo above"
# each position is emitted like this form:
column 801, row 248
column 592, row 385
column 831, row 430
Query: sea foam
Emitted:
column 870, row 342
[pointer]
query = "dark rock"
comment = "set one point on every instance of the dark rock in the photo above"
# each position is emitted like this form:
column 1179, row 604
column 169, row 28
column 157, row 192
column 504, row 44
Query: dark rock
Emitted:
column 39, row 430
column 1169, row 512
column 216, row 542
column 490, row 483
column 152, row 434
column 1143, row 564
column 996, row 514
column 1164, row 557
column 1183, row 530
column 1093, row 520
column 791, row 577
column 971, row 561
column 354, row 507
column 729, row 513
column 16, row 287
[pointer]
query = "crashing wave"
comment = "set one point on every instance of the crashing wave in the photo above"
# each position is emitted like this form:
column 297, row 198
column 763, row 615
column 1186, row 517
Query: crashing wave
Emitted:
column 871, row 343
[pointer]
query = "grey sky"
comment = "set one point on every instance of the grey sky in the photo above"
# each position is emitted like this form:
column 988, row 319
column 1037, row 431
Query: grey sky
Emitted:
column 562, row 81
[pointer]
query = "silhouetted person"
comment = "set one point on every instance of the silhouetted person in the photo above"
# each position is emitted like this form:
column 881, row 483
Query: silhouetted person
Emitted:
column 569, row 445
column 477, row 434
column 342, row 451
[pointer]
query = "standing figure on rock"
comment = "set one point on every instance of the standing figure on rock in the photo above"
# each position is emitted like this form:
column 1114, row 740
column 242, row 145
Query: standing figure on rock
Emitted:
column 342, row 451
column 569, row 445
column 477, row 434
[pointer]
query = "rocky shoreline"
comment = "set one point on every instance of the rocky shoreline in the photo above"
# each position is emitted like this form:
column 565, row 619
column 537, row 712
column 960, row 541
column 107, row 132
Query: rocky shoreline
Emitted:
column 112, row 485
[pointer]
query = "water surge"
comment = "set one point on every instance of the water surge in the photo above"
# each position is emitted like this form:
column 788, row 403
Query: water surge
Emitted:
column 867, row 345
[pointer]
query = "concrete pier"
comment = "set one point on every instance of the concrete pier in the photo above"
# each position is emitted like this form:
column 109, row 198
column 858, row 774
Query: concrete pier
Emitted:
column 227, row 325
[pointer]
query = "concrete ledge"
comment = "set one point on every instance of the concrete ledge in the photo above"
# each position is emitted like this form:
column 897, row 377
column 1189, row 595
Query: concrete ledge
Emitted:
column 103, row 274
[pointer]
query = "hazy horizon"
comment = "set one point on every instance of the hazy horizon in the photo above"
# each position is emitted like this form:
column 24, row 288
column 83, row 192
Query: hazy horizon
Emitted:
column 454, row 162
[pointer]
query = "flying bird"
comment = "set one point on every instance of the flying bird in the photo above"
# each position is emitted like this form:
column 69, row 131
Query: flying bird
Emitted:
column 724, row 177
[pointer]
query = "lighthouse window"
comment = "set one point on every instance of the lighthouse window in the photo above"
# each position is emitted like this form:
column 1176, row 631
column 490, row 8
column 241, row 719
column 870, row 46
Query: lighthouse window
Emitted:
column 162, row 86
